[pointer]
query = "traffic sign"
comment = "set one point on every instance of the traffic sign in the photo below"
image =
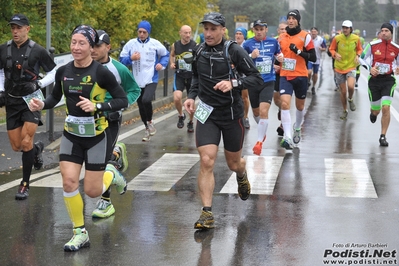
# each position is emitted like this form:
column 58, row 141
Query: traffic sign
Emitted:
column 241, row 18
column 394, row 23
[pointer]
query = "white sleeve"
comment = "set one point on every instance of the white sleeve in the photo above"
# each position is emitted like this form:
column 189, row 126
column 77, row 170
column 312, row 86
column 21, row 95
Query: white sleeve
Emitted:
column 48, row 79
column 2, row 80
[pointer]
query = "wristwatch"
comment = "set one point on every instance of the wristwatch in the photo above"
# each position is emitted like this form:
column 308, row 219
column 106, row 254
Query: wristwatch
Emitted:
column 298, row 52
column 234, row 82
column 98, row 106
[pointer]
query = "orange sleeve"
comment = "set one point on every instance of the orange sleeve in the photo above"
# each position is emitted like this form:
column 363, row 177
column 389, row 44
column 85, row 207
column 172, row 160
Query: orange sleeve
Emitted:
column 332, row 47
column 359, row 48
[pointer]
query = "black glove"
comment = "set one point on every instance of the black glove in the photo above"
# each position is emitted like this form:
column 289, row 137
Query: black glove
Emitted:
column 32, row 86
column 293, row 48
column 2, row 98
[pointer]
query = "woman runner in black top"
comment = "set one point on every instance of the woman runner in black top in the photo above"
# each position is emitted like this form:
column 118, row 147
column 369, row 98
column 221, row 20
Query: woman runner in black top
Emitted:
column 84, row 83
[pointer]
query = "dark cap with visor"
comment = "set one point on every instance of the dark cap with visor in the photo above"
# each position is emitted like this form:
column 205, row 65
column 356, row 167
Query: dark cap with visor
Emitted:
column 19, row 19
column 103, row 37
column 260, row 22
column 215, row 18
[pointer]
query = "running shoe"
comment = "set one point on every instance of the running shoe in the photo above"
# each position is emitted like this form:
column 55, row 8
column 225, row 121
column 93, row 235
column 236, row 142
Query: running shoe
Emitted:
column 206, row 221
column 119, row 181
column 297, row 135
column 344, row 115
column 246, row 123
column 280, row 130
column 373, row 118
column 22, row 192
column 151, row 127
column 147, row 135
column 257, row 149
column 79, row 240
column 123, row 162
column 383, row 141
column 104, row 209
column 287, row 144
column 190, row 127
column 244, row 187
column 38, row 160
column 180, row 123
column 352, row 105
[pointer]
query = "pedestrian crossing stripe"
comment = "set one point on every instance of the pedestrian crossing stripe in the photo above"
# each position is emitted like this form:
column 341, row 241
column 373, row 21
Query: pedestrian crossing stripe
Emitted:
column 348, row 178
column 54, row 179
column 343, row 177
column 32, row 177
column 262, row 172
column 164, row 173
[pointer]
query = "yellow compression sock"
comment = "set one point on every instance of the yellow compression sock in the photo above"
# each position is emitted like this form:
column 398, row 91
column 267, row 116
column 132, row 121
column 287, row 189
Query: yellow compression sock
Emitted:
column 107, row 179
column 74, row 205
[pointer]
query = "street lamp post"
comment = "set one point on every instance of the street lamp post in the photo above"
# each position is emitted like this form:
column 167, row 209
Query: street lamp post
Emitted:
column 335, row 9
column 314, row 13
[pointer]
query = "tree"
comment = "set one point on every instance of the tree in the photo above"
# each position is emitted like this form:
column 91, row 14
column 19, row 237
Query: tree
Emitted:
column 370, row 11
column 390, row 11
column 118, row 17
column 268, row 10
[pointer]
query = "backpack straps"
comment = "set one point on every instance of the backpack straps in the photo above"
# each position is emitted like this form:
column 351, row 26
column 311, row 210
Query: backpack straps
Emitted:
column 9, row 60
column 24, row 63
column 232, row 70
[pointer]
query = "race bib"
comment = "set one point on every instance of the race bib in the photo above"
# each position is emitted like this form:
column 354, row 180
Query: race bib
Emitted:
column 264, row 67
column 80, row 126
column 289, row 64
column 203, row 111
column 183, row 65
column 382, row 68
column 38, row 94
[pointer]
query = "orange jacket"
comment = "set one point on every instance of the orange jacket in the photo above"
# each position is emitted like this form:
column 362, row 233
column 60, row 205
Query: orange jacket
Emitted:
column 301, row 69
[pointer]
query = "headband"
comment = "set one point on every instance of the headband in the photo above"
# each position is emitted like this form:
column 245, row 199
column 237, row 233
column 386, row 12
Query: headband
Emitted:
column 87, row 31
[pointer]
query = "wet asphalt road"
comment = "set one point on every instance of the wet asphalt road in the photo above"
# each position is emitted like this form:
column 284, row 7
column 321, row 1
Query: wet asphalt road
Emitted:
column 334, row 198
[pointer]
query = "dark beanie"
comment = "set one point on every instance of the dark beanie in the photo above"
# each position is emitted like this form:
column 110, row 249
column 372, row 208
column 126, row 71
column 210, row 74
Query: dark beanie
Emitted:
column 388, row 26
column 294, row 13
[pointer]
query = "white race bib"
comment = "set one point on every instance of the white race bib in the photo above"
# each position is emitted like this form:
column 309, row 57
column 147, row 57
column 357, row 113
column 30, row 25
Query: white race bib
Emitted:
column 80, row 126
column 38, row 94
column 382, row 68
column 289, row 64
column 203, row 111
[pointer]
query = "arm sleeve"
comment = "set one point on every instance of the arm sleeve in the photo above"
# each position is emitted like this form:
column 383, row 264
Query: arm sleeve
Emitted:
column 333, row 47
column 125, row 55
column 164, row 55
column 359, row 48
column 48, row 79
column 309, row 53
column 2, row 79
column 56, row 94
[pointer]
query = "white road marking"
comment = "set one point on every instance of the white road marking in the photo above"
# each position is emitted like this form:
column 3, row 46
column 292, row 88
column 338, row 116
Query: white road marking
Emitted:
column 164, row 173
column 348, row 178
column 32, row 177
column 54, row 180
column 262, row 174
